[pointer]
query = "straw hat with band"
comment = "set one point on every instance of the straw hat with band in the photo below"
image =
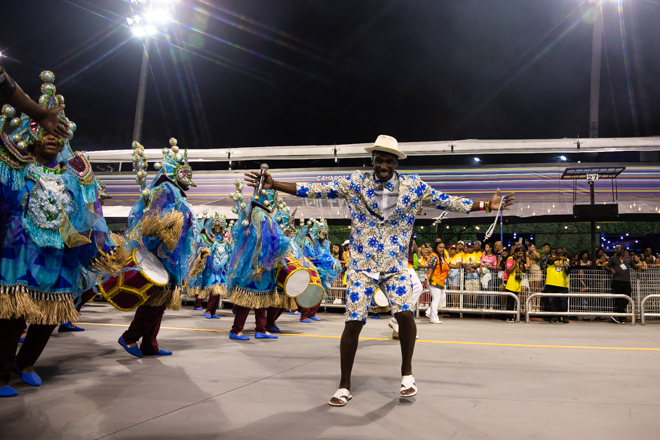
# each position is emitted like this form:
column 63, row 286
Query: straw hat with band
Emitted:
column 387, row 144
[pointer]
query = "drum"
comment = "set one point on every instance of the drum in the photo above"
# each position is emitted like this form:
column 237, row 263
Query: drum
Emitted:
column 132, row 288
column 380, row 299
column 293, row 279
column 313, row 294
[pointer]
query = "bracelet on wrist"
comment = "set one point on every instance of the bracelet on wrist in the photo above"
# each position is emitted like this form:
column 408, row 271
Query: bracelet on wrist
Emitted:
column 487, row 207
column 481, row 205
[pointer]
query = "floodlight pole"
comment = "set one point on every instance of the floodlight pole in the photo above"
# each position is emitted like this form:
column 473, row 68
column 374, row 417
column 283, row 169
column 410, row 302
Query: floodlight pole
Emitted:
column 593, row 222
column 596, row 52
column 142, row 92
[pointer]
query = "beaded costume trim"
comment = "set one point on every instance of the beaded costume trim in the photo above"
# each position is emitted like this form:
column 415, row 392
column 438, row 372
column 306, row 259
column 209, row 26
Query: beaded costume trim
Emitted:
column 12, row 155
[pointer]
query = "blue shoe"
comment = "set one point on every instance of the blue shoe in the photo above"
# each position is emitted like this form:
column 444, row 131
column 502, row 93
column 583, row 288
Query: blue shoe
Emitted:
column 8, row 391
column 32, row 379
column 197, row 309
column 314, row 318
column 274, row 329
column 22, row 339
column 157, row 353
column 294, row 313
column 258, row 335
column 375, row 317
column 135, row 351
column 238, row 338
column 68, row 327
column 215, row 317
column 305, row 320
column 207, row 315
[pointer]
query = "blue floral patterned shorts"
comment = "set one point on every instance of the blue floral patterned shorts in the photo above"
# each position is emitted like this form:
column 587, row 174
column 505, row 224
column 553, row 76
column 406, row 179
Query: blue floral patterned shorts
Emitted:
column 360, row 288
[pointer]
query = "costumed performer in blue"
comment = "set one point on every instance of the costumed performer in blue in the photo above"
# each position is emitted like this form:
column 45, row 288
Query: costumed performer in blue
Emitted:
column 162, row 223
column 214, row 281
column 286, row 220
column 317, row 250
column 194, row 286
column 383, row 204
column 52, row 232
column 259, row 244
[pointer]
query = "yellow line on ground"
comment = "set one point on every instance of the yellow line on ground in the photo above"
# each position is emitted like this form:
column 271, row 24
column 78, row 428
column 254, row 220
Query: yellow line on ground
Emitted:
column 496, row 344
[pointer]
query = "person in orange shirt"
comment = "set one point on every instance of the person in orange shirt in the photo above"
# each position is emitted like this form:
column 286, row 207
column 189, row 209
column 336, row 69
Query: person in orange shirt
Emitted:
column 436, row 274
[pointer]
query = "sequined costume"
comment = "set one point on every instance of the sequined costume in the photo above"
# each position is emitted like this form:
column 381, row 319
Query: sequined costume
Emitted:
column 259, row 244
column 214, row 282
column 52, row 233
column 162, row 222
column 214, row 277
column 317, row 250
column 52, row 224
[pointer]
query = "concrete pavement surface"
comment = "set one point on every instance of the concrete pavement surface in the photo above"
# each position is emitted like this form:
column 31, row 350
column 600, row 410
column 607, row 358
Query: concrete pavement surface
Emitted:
column 477, row 378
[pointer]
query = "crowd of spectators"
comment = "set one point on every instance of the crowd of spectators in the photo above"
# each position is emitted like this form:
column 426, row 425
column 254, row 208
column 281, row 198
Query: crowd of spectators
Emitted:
column 520, row 269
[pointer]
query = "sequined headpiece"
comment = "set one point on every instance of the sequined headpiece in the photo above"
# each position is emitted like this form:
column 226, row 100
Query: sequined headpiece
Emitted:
column 175, row 164
column 284, row 217
column 319, row 228
column 28, row 132
column 218, row 220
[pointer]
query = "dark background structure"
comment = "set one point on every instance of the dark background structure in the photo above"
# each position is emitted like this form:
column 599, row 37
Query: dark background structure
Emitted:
column 293, row 72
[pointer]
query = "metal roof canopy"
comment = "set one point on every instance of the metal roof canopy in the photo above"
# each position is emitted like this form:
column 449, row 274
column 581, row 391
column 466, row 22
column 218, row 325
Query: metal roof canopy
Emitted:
column 435, row 148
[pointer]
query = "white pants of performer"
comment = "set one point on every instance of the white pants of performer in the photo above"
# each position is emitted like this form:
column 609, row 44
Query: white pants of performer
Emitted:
column 417, row 290
column 437, row 297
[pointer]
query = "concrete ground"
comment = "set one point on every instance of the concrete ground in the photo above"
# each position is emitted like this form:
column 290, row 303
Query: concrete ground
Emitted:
column 478, row 379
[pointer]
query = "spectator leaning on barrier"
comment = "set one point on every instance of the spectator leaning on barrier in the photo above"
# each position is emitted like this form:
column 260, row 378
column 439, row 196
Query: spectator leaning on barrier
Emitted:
column 648, row 252
column 470, row 265
column 454, row 262
column 515, row 266
column 639, row 262
column 488, row 265
column 619, row 265
column 556, row 281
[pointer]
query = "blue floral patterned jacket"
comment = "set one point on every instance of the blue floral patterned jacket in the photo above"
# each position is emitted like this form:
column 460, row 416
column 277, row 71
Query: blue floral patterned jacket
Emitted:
column 380, row 244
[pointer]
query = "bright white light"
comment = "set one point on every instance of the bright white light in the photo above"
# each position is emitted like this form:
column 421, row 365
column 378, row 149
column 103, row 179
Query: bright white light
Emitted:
column 422, row 227
column 563, row 158
column 138, row 31
column 150, row 30
column 137, row 19
column 477, row 227
column 130, row 21
column 159, row 16
column 476, row 159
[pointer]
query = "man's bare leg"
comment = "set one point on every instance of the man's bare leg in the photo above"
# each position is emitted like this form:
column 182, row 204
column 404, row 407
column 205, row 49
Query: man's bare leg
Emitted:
column 347, row 349
column 407, row 334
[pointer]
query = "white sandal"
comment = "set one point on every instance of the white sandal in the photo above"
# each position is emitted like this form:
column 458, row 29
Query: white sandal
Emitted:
column 343, row 395
column 407, row 384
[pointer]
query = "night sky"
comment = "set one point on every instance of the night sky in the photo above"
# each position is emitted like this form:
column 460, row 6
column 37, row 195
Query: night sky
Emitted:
column 255, row 73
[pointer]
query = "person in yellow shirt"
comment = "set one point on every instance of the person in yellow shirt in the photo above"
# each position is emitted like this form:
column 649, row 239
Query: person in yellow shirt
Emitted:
column 556, row 281
column 515, row 266
column 471, row 262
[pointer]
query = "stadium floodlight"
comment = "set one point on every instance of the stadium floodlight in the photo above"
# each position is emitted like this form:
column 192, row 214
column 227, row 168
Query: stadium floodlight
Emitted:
column 158, row 16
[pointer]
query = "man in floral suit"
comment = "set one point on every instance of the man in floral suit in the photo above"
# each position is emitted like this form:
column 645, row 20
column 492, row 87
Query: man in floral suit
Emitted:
column 383, row 204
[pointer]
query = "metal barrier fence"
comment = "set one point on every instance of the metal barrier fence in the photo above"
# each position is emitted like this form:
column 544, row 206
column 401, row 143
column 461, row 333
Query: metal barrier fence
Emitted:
column 583, row 297
column 590, row 295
